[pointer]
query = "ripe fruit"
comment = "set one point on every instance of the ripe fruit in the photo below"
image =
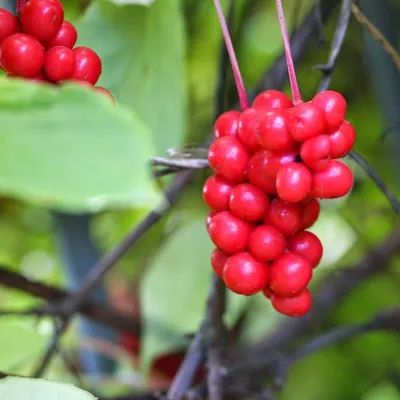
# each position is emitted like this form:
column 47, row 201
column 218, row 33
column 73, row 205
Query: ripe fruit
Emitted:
column 218, row 260
column 66, row 36
column 8, row 24
column 257, row 172
column 293, row 306
column 21, row 54
column 87, row 65
column 227, row 124
column 316, row 152
column 59, row 63
column 229, row 233
column 216, row 193
column 266, row 243
column 273, row 99
column 289, row 275
column 244, row 275
column 342, row 140
column 333, row 106
column 209, row 218
column 249, row 129
column 311, row 212
column 308, row 245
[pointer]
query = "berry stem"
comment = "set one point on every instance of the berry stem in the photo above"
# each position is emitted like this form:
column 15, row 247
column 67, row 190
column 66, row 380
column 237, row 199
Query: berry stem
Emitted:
column 294, row 86
column 20, row 5
column 232, row 56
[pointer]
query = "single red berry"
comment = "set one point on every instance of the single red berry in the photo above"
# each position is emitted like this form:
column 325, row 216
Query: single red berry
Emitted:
column 342, row 140
column 305, row 121
column 245, row 275
column 105, row 92
column 307, row 245
column 229, row 233
column 286, row 217
column 210, row 215
column 274, row 131
column 8, row 24
column 248, row 202
column 290, row 274
column 293, row 306
column 59, row 63
column 229, row 159
column 87, row 65
column 216, row 193
column 311, row 212
column 293, row 182
column 218, row 260
column 227, row 124
column 273, row 99
column 22, row 55
column 333, row 106
column 66, row 36
column 267, row 292
column 335, row 182
column 249, row 129
column 257, row 172
column 266, row 243
column 42, row 18
column 316, row 152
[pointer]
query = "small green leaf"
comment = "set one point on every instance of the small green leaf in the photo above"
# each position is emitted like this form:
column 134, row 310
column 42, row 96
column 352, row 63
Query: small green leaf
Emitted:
column 138, row 2
column 71, row 149
column 40, row 389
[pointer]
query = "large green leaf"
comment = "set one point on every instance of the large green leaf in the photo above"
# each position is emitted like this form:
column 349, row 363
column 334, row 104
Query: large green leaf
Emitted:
column 40, row 389
column 142, row 49
column 71, row 149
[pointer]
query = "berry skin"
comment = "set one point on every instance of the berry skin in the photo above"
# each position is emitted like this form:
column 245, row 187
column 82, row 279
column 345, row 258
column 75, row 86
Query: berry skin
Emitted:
column 286, row 217
column 248, row 202
column 218, row 260
column 293, row 306
column 266, row 243
column 22, row 55
column 293, row 182
column 66, row 36
column 210, row 215
column 305, row 121
column 227, row 124
column 216, row 193
column 42, row 18
column 316, row 152
column 87, row 65
column 229, row 159
column 342, row 140
column 290, row 274
column 311, row 212
column 273, row 99
column 249, row 132
column 39, row 78
column 308, row 245
column 105, row 92
column 244, row 275
column 257, row 172
column 8, row 24
column 267, row 292
column 59, row 63
column 333, row 105
column 276, row 160
column 335, row 182
column 229, row 233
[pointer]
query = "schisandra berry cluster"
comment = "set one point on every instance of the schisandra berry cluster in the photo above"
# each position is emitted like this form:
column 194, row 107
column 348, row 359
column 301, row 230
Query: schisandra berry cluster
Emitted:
column 38, row 45
column 271, row 163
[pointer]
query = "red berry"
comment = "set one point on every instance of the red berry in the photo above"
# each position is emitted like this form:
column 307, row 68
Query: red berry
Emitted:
column 293, row 182
column 335, row 182
column 39, row 78
column 333, row 106
column 342, row 140
column 305, row 121
column 8, row 24
column 22, row 55
column 249, row 129
column 216, row 193
column 66, row 36
column 87, row 65
column 308, row 245
column 257, row 172
column 274, row 131
column 286, row 217
column 316, row 152
column 311, row 212
column 210, row 215
column 276, row 160
column 266, row 243
column 248, row 202
column 293, row 306
column 59, row 63
column 290, row 274
column 243, row 274
column 273, row 99
column 267, row 292
column 42, row 18
column 229, row 159
column 227, row 124
column 229, row 233
column 218, row 260
column 105, row 92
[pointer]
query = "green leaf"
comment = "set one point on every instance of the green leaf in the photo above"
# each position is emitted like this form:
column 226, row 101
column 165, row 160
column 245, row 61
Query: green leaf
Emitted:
column 71, row 149
column 382, row 391
column 40, row 389
column 143, row 62
column 139, row 2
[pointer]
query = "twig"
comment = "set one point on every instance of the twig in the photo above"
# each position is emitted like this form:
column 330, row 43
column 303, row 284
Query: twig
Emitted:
column 182, row 163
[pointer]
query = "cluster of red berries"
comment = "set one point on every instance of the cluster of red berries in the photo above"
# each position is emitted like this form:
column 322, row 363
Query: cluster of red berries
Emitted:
column 38, row 45
column 271, row 164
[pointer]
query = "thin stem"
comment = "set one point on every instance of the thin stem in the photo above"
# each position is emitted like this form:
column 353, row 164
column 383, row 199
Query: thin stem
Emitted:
column 288, row 53
column 232, row 56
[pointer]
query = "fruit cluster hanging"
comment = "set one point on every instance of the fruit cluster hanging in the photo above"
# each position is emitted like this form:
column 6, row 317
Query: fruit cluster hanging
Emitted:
column 37, row 44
